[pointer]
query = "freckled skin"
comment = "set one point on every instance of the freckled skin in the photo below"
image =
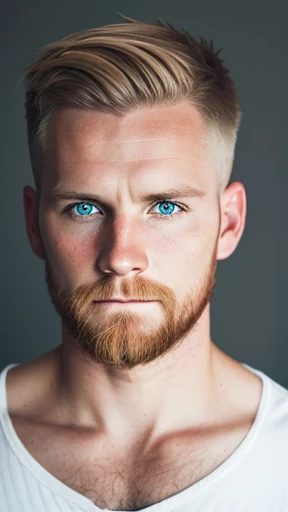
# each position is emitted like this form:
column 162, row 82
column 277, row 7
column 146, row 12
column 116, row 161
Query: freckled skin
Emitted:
column 94, row 152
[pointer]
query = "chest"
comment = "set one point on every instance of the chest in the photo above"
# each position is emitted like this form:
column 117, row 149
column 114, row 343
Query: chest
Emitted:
column 133, row 479
column 129, row 484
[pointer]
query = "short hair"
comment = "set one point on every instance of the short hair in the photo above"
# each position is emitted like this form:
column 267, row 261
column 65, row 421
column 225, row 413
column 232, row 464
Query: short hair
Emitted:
column 121, row 67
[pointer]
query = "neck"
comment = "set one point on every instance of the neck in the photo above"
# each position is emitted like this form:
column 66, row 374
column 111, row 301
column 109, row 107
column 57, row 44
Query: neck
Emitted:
column 173, row 392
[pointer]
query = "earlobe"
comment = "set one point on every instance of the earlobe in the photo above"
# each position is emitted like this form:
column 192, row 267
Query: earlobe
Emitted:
column 31, row 221
column 233, row 215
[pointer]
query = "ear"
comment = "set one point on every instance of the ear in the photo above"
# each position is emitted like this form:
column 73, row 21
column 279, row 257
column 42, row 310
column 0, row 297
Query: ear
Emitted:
column 233, row 215
column 31, row 221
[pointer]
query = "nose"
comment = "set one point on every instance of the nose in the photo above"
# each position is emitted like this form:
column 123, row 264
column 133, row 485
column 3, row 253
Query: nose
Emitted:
column 122, row 248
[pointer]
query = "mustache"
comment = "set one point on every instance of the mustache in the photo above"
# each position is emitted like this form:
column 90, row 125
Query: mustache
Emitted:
column 135, row 288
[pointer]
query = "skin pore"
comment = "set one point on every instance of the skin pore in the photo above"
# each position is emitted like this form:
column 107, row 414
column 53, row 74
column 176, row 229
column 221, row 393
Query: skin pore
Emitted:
column 109, row 213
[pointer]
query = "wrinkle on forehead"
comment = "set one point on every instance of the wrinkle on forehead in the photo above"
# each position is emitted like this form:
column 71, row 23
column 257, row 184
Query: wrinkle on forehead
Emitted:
column 170, row 125
column 89, row 141
column 82, row 142
column 142, row 150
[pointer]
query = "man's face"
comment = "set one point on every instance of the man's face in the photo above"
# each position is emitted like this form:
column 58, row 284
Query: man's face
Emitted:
column 114, row 228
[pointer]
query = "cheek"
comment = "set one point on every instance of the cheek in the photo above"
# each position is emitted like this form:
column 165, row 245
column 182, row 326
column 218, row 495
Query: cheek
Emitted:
column 173, row 257
column 69, row 254
column 70, row 257
column 181, row 259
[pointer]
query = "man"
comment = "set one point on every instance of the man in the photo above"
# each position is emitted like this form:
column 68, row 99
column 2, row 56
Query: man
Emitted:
column 132, row 130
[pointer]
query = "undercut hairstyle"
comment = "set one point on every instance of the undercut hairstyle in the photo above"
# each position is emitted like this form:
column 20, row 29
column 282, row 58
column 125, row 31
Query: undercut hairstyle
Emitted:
column 122, row 67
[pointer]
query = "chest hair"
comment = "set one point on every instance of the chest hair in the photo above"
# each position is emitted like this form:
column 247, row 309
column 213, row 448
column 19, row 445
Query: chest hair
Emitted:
column 133, row 480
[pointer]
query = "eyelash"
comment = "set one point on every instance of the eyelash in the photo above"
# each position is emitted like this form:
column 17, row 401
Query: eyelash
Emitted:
column 82, row 218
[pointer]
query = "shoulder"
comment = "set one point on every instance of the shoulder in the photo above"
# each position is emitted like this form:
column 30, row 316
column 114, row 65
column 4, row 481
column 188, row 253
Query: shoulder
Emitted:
column 274, row 399
column 273, row 407
column 26, row 384
column 277, row 405
column 272, row 422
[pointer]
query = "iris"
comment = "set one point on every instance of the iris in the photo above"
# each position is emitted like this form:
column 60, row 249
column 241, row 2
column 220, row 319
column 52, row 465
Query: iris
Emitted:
column 84, row 208
column 166, row 207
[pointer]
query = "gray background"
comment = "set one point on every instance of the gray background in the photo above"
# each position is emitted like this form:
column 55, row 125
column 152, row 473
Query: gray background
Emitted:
column 249, row 308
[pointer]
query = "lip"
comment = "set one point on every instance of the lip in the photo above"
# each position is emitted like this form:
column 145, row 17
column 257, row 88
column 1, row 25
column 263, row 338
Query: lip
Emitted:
column 131, row 301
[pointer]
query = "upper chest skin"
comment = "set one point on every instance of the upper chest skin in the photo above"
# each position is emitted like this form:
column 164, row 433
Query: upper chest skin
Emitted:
column 135, row 477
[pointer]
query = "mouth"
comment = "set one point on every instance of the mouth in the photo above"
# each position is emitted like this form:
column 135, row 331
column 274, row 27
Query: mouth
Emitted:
column 120, row 301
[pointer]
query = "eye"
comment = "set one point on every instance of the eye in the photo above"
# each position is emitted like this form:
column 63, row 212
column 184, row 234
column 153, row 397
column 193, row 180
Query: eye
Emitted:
column 82, row 209
column 167, row 208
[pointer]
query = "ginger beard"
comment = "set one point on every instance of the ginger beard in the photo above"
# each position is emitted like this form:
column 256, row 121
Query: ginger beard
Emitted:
column 125, row 338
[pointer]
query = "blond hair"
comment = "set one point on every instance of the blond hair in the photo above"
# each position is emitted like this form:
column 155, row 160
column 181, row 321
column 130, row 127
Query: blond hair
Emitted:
column 118, row 68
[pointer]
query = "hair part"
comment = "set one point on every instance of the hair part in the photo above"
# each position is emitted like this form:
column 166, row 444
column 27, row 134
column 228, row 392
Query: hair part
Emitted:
column 119, row 68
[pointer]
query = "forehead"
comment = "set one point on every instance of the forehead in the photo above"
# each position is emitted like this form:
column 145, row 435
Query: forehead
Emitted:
column 163, row 137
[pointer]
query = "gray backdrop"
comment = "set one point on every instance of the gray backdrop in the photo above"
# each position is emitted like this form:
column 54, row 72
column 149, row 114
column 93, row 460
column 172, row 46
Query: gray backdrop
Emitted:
column 249, row 308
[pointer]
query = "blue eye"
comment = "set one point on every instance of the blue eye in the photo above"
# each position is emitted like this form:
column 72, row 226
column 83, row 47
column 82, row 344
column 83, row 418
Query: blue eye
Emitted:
column 83, row 209
column 167, row 207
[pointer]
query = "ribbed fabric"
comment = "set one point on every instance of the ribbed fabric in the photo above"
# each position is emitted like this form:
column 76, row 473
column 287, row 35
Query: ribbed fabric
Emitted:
column 253, row 479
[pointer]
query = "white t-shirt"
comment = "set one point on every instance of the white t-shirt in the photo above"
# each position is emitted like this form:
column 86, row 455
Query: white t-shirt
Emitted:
column 253, row 479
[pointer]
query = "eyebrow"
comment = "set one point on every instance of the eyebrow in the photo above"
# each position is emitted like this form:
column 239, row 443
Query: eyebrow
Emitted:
column 171, row 193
